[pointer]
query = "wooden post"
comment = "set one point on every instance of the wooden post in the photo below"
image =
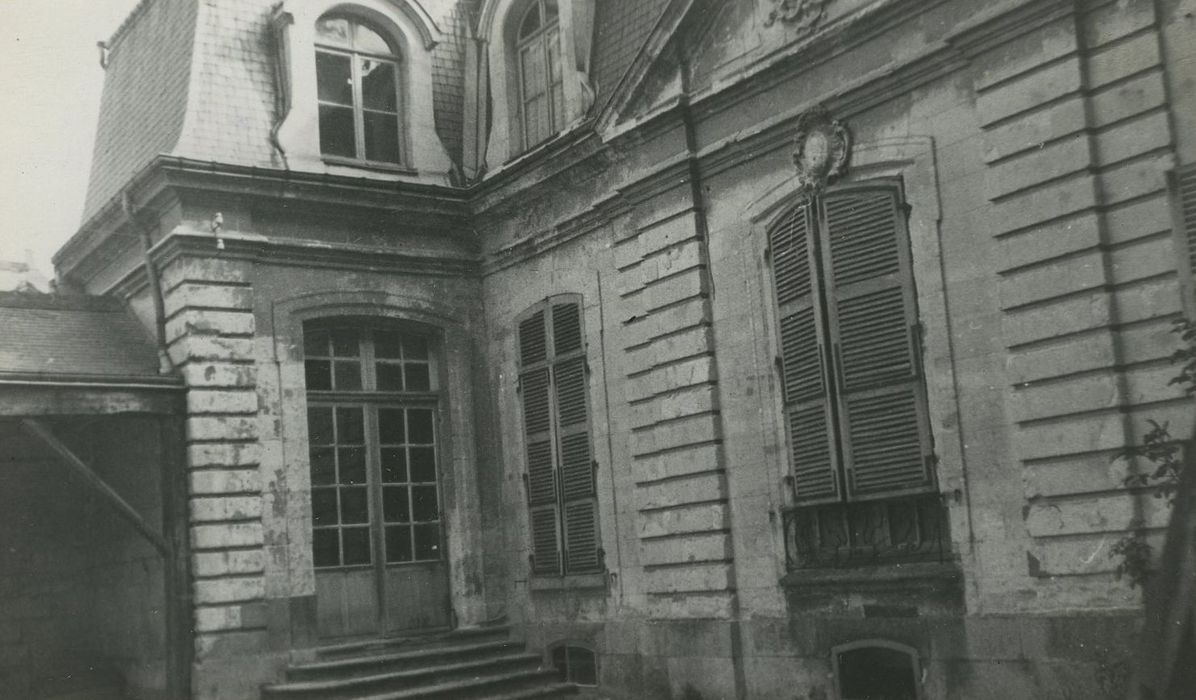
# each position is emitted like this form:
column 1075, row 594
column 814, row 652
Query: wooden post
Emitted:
column 176, row 569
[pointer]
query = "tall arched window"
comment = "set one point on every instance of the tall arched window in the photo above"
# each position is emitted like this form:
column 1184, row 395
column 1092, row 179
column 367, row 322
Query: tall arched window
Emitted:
column 541, row 84
column 357, row 76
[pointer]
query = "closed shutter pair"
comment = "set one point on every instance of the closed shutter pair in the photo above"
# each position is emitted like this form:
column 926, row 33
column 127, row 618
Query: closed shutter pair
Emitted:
column 850, row 347
column 556, row 427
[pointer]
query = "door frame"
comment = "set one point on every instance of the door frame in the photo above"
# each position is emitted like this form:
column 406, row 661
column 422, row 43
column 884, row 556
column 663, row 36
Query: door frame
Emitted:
column 447, row 320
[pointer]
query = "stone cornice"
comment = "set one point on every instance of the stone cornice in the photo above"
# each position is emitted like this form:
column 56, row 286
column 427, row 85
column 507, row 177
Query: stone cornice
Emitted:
column 309, row 254
column 640, row 188
column 160, row 185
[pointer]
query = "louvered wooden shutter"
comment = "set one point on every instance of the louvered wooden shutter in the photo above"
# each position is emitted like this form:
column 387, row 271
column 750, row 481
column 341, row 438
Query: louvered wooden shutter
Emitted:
column 1185, row 210
column 578, row 501
column 872, row 318
column 556, row 419
column 804, row 380
column 534, row 385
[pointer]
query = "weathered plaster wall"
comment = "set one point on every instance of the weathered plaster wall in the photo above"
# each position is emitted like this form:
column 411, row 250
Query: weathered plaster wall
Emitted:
column 1033, row 141
column 1047, row 137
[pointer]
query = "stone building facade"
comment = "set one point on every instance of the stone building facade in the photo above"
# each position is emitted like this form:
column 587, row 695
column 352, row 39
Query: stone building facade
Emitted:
column 522, row 310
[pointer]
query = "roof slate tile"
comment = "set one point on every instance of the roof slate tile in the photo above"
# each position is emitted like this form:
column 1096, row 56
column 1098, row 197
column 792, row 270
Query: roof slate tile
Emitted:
column 72, row 335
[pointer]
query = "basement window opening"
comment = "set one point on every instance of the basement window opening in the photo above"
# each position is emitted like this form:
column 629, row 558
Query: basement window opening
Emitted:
column 575, row 664
column 876, row 670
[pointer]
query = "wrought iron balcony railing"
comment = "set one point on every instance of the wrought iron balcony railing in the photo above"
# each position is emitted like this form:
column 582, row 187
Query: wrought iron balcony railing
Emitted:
column 836, row 535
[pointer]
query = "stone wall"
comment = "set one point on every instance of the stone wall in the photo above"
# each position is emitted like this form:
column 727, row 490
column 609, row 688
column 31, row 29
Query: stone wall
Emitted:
column 1033, row 141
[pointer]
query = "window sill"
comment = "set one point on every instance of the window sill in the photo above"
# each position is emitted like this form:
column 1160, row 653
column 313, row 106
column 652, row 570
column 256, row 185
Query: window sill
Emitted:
column 929, row 576
column 377, row 166
column 572, row 582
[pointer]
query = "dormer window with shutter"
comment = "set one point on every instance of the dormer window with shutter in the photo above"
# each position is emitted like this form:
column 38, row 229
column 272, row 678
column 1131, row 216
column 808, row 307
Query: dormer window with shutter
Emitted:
column 863, row 481
column 559, row 477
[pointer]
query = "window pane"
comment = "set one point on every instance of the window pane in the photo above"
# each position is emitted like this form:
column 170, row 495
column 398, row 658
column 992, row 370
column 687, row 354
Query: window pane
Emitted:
column 323, row 466
column 345, row 343
column 427, row 541
column 390, row 376
column 390, row 426
column 531, row 21
column 319, row 426
column 423, row 503
column 418, row 378
column 532, row 58
column 381, row 136
column 334, row 78
column 347, row 376
column 333, row 30
column 323, row 507
column 318, row 374
column 558, row 106
column 378, row 85
column 337, row 136
column 395, row 508
column 350, row 427
column 326, row 549
column 398, row 543
column 553, row 39
column 354, row 505
column 415, row 348
column 357, row 545
column 315, row 343
column 582, row 669
column 423, row 464
column 352, row 465
column 387, row 345
column 550, row 9
column 535, row 112
column 371, row 41
column 394, row 464
column 419, row 426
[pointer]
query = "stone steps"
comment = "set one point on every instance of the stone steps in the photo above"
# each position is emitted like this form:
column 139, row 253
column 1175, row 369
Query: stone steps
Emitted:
column 479, row 663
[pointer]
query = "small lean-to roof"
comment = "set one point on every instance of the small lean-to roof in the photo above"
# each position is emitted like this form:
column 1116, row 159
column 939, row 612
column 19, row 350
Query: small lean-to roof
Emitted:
column 52, row 336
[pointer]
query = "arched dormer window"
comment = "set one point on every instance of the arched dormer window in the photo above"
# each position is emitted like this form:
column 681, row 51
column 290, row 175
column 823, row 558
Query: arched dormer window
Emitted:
column 358, row 86
column 538, row 65
column 541, row 82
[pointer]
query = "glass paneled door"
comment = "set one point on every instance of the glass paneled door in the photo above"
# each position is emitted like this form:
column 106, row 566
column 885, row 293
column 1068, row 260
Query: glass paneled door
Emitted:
column 377, row 533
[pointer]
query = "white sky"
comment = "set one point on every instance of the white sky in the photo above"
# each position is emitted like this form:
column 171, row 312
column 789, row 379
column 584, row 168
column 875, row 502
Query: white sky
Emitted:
column 50, row 80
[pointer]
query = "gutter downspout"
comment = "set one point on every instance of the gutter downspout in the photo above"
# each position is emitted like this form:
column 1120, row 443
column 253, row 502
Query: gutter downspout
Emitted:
column 165, row 366
column 279, row 22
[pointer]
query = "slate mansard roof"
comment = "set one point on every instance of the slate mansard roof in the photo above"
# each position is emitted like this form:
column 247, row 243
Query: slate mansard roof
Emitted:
column 49, row 336
column 195, row 79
